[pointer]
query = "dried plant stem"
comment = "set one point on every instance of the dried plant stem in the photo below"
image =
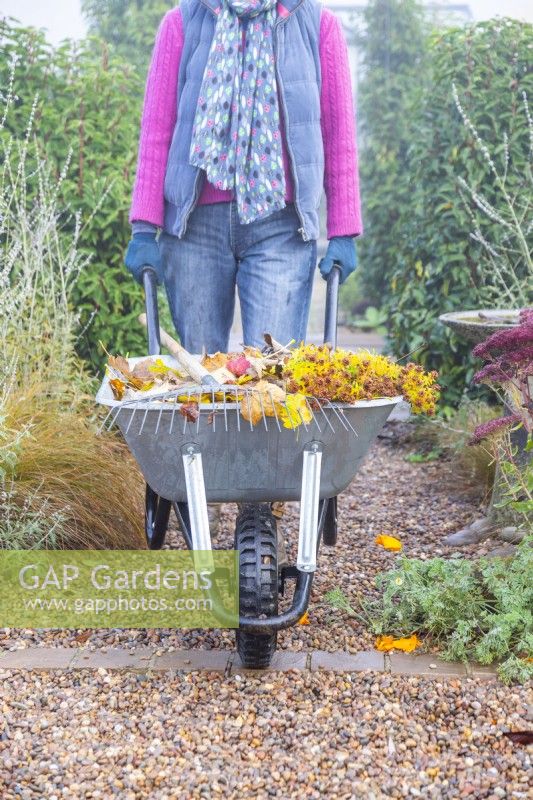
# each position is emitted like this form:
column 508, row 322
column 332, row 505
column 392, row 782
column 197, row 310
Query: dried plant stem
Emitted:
column 500, row 270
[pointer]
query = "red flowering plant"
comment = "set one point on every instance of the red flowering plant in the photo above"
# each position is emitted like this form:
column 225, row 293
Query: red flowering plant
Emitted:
column 509, row 371
column 509, row 354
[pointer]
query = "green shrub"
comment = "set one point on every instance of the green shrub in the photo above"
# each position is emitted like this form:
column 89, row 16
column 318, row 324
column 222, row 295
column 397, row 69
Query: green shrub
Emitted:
column 128, row 27
column 439, row 228
column 439, row 266
column 352, row 301
column 394, row 55
column 59, row 481
column 90, row 102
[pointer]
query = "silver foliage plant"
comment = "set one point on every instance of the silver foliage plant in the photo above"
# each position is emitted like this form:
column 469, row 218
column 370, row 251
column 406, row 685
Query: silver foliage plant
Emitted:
column 505, row 258
column 40, row 260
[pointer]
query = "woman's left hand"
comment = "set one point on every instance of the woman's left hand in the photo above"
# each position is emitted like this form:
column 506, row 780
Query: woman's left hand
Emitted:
column 341, row 250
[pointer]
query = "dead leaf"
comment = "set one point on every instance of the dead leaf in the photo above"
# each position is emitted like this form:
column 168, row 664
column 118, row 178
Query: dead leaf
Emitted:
column 120, row 368
column 386, row 643
column 265, row 398
column 162, row 370
column 118, row 388
column 200, row 399
column 251, row 408
column 120, row 364
column 257, row 368
column 215, row 361
column 223, row 375
column 277, row 346
column 190, row 411
column 272, row 395
column 144, row 370
column 304, row 620
column 83, row 637
column 388, row 542
column 252, row 352
column 295, row 411
column 138, row 384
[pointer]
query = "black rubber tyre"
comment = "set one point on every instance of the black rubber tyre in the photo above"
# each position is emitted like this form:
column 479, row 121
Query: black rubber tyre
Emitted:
column 157, row 513
column 256, row 540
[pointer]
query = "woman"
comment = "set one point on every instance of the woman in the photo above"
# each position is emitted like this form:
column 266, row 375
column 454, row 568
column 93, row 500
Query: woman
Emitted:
column 248, row 114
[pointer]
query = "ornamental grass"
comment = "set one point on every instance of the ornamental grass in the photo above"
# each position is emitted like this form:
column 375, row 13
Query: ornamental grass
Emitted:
column 61, row 485
column 68, row 487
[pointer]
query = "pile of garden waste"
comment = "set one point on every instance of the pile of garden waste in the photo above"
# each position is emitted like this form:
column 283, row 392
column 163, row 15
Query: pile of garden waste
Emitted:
column 279, row 381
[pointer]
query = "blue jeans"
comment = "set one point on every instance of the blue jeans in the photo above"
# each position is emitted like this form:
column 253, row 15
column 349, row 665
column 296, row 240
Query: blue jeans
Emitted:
column 267, row 260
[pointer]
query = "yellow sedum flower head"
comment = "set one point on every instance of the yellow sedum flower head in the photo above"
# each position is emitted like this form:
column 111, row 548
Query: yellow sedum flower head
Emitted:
column 345, row 377
column 420, row 389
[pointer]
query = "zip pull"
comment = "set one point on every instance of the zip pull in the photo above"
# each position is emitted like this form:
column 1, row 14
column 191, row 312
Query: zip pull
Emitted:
column 302, row 233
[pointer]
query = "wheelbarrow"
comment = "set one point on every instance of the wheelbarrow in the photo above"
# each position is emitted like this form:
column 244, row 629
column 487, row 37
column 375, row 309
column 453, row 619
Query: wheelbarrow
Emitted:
column 220, row 458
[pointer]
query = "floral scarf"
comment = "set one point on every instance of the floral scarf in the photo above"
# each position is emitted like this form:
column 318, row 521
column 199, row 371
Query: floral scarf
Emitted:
column 236, row 134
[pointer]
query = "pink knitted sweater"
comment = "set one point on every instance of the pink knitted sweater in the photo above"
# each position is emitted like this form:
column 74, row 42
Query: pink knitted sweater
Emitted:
column 341, row 180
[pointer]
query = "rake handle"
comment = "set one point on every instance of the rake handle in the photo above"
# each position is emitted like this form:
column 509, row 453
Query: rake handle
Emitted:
column 190, row 364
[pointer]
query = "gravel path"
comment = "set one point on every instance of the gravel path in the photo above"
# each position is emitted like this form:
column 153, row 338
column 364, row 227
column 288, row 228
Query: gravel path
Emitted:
column 75, row 736
column 94, row 735
column 389, row 495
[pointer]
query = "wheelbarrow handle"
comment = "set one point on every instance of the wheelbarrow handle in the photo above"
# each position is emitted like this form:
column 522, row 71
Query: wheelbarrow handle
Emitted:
column 152, row 310
column 332, row 305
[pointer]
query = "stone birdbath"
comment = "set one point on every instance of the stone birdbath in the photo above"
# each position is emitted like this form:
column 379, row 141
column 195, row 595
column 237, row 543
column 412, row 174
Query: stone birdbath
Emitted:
column 474, row 327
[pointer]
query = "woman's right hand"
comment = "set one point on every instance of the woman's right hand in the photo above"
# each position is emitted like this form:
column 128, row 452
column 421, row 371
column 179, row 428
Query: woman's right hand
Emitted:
column 143, row 251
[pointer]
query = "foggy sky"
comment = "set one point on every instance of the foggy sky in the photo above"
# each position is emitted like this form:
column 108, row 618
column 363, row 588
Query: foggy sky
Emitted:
column 62, row 18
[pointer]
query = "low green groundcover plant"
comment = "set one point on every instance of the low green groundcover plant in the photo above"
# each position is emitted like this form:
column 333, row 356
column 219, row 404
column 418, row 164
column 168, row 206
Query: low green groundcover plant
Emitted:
column 474, row 610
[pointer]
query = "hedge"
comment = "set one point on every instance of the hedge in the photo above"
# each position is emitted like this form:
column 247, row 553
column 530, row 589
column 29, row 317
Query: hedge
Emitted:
column 89, row 102
column 420, row 259
column 439, row 266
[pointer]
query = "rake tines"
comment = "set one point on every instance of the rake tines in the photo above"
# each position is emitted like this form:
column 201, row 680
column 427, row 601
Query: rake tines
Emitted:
column 245, row 403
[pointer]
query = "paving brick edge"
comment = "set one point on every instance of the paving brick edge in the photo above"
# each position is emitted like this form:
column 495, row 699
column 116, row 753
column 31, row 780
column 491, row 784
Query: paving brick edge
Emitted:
column 151, row 660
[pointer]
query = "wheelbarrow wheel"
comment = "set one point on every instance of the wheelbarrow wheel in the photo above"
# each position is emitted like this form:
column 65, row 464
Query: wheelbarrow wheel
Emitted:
column 256, row 541
column 157, row 512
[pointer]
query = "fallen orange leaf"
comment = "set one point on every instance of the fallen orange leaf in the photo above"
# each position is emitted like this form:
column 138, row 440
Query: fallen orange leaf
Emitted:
column 305, row 619
column 214, row 361
column 386, row 643
column 263, row 401
column 388, row 542
column 118, row 388
column 81, row 638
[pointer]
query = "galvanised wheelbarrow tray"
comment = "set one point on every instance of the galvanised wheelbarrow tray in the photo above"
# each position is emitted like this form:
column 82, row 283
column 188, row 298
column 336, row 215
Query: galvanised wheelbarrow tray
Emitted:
column 220, row 458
